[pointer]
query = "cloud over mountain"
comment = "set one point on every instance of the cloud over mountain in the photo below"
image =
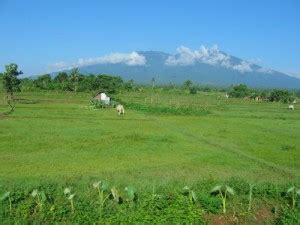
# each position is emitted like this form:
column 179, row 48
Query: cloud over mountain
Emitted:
column 184, row 57
column 212, row 56
column 130, row 59
column 205, row 66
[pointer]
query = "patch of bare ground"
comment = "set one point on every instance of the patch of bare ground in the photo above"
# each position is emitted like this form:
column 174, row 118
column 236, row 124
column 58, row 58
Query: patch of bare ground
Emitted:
column 262, row 215
column 228, row 219
column 2, row 116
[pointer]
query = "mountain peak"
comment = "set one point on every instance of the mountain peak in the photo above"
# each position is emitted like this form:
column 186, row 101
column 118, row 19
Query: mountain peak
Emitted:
column 206, row 66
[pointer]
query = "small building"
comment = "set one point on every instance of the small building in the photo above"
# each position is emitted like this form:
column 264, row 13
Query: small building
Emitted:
column 103, row 97
column 258, row 98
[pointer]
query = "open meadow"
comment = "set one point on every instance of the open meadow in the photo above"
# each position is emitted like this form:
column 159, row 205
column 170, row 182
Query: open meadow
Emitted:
column 178, row 139
column 56, row 135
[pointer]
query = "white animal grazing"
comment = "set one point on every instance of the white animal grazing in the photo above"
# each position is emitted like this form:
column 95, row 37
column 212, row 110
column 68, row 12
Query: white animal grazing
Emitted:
column 120, row 110
column 291, row 107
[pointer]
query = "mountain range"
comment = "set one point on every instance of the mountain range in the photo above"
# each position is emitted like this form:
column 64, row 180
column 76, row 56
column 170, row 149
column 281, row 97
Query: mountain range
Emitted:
column 204, row 66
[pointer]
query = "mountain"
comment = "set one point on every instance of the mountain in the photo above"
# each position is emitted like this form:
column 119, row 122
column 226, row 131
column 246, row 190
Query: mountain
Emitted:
column 206, row 66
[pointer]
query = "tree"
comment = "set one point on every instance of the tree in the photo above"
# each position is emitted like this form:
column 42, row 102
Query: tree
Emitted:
column 153, row 82
column 193, row 90
column 107, row 83
column 74, row 77
column 281, row 95
column 43, row 82
column 129, row 85
column 187, row 84
column 62, row 78
column 11, row 83
column 239, row 91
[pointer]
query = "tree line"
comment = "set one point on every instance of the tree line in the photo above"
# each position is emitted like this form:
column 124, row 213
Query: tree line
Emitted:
column 77, row 82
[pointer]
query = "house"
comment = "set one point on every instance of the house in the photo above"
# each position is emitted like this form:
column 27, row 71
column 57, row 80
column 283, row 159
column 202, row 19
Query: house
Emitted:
column 258, row 98
column 103, row 97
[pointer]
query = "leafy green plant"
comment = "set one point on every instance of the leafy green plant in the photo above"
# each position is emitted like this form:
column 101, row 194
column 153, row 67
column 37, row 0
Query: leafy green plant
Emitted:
column 40, row 198
column 101, row 187
column 6, row 196
column 191, row 194
column 131, row 195
column 223, row 191
column 293, row 192
column 250, row 196
column 288, row 216
column 70, row 197
column 116, row 196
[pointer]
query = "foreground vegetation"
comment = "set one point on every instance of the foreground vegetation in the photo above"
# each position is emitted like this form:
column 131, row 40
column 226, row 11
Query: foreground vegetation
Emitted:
column 178, row 155
column 101, row 202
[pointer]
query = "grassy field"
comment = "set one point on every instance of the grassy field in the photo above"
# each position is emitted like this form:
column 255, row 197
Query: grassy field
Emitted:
column 55, row 136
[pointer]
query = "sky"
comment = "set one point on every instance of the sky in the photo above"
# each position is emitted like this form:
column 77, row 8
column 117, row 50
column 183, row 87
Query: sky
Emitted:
column 41, row 36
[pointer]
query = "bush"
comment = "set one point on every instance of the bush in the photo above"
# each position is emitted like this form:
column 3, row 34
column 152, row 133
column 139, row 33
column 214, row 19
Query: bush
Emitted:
column 183, row 110
column 289, row 216
column 193, row 90
column 281, row 95
column 239, row 91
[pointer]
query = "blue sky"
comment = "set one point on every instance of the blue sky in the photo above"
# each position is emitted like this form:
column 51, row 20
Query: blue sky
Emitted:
column 37, row 34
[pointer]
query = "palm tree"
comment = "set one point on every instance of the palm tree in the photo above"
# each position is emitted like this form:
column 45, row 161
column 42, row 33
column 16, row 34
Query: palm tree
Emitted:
column 74, row 76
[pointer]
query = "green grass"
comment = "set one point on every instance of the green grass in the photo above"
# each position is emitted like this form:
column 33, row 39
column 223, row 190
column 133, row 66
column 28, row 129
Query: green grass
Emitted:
column 56, row 136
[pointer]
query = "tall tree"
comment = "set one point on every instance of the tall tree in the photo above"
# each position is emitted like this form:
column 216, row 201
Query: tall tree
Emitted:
column 153, row 85
column 74, row 77
column 62, row 78
column 11, row 83
column 187, row 84
column 43, row 82
column 153, row 82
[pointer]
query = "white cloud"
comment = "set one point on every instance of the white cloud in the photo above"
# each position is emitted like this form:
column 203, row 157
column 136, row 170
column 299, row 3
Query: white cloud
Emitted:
column 294, row 74
column 186, row 56
column 212, row 56
column 58, row 66
column 130, row 59
column 243, row 67
column 265, row 70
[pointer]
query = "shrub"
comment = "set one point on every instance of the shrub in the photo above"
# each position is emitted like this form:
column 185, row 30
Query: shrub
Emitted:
column 281, row 95
column 183, row 110
column 193, row 90
column 239, row 91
